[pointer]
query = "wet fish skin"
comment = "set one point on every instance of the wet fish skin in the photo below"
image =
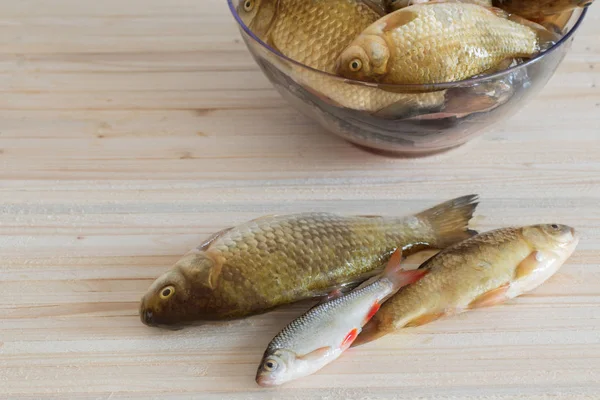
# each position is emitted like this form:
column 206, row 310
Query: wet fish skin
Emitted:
column 534, row 9
column 277, row 260
column 484, row 270
column 322, row 334
column 437, row 42
column 312, row 32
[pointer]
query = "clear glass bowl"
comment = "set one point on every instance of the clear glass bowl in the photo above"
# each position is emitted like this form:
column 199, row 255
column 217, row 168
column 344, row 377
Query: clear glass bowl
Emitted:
column 408, row 120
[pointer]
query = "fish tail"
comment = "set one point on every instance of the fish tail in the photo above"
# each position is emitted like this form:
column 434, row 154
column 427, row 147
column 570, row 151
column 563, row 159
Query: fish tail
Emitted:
column 449, row 221
column 397, row 275
column 546, row 37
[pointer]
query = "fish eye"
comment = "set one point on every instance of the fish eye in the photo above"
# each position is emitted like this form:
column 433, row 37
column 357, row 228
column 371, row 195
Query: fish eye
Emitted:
column 554, row 226
column 355, row 65
column 167, row 292
column 248, row 5
column 271, row 365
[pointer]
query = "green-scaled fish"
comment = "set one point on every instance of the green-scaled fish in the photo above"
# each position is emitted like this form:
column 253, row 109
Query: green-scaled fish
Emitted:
column 278, row 260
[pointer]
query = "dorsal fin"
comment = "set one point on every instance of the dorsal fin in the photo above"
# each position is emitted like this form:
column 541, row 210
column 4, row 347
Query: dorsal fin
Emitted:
column 206, row 244
column 263, row 217
column 499, row 12
column 399, row 18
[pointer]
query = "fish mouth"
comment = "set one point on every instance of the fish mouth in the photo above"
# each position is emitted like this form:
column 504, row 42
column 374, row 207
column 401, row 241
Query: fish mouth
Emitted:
column 147, row 317
column 576, row 237
column 265, row 381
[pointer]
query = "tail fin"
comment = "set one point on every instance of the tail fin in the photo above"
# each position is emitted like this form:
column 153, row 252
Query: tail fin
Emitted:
column 399, row 277
column 546, row 37
column 449, row 221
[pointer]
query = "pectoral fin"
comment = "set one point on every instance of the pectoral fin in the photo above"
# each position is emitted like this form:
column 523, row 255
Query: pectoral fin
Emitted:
column 491, row 298
column 371, row 331
column 424, row 319
column 533, row 271
column 317, row 354
column 349, row 339
column 529, row 265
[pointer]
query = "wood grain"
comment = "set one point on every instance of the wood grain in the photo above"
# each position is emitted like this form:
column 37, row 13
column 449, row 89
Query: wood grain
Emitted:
column 120, row 149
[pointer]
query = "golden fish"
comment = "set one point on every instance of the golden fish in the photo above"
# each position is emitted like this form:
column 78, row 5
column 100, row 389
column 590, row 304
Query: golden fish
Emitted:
column 314, row 33
column 371, row 99
column 436, row 42
column 282, row 259
column 532, row 9
column 482, row 271
column 398, row 4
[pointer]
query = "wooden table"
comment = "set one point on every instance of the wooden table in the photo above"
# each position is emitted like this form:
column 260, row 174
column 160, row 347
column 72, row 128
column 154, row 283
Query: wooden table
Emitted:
column 120, row 149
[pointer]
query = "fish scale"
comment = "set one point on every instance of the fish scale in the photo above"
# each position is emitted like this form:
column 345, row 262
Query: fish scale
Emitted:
column 324, row 332
column 328, row 26
column 486, row 269
column 317, row 27
column 297, row 335
column 282, row 259
column 436, row 43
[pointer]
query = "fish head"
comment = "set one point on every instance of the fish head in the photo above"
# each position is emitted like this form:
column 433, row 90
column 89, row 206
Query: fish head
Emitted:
column 282, row 365
column 277, row 367
column 553, row 237
column 180, row 294
column 258, row 15
column 365, row 59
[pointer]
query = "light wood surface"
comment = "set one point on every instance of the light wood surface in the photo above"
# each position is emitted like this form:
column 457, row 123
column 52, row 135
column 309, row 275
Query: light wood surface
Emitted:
column 121, row 149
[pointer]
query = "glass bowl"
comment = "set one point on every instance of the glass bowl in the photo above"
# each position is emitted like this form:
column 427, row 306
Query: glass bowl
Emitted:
column 409, row 120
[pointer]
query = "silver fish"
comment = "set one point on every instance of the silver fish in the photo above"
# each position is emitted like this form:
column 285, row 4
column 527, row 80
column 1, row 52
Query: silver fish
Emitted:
column 323, row 333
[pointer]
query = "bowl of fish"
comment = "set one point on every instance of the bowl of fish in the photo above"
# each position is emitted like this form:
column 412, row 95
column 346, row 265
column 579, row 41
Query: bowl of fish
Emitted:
column 408, row 77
